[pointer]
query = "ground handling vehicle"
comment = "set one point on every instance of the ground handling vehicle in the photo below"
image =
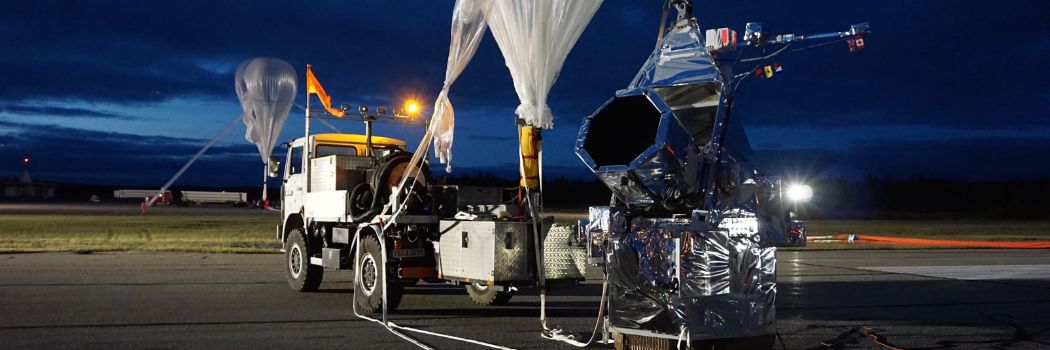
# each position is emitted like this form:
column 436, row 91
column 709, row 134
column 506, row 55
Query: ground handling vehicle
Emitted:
column 335, row 188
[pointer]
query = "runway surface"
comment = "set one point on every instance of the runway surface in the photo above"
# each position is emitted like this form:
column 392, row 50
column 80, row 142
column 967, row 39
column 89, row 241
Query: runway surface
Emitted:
column 912, row 298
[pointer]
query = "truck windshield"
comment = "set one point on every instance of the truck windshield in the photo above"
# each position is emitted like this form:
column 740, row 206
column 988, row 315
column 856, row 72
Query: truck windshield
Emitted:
column 328, row 150
column 331, row 150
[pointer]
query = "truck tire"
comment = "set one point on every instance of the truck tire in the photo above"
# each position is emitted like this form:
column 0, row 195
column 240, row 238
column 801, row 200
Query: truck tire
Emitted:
column 368, row 290
column 302, row 276
column 484, row 295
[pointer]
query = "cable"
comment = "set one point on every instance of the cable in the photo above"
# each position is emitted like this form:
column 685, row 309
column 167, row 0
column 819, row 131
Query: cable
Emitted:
column 412, row 171
column 210, row 143
column 548, row 333
column 555, row 334
column 357, row 280
column 390, row 326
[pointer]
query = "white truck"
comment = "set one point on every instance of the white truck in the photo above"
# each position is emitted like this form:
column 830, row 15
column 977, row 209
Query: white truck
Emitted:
column 335, row 187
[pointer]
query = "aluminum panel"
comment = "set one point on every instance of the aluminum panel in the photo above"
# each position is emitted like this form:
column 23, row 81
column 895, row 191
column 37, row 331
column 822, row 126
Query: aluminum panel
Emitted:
column 450, row 253
column 561, row 260
column 333, row 173
column 484, row 250
column 511, row 251
column 479, row 250
column 326, row 205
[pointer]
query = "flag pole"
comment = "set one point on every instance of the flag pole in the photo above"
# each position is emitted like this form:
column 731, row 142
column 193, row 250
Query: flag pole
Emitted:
column 306, row 150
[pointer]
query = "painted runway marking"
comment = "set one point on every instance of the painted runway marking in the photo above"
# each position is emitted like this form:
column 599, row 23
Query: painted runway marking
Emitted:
column 973, row 272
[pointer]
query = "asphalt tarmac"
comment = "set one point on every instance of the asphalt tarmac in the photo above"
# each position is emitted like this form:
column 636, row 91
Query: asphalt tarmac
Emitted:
column 923, row 299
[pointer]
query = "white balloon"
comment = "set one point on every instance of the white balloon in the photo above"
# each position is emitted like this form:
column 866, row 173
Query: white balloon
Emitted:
column 266, row 88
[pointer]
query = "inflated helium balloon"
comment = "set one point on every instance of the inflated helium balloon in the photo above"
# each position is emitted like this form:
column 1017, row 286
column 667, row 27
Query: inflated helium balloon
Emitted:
column 266, row 88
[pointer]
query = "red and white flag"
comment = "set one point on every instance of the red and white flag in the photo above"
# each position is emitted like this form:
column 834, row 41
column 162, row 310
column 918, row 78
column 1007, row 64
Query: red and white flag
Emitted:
column 855, row 44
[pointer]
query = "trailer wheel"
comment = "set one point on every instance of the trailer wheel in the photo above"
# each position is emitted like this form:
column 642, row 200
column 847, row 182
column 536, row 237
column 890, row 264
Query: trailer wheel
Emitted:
column 368, row 290
column 484, row 295
column 302, row 276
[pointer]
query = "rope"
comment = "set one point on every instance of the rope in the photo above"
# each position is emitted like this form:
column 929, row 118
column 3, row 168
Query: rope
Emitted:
column 413, row 171
column 391, row 326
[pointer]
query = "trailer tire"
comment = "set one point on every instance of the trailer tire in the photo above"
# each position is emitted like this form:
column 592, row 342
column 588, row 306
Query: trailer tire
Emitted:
column 302, row 276
column 483, row 295
column 368, row 290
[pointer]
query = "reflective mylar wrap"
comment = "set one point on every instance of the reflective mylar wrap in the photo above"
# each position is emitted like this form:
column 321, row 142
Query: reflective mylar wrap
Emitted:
column 666, row 274
column 603, row 222
column 611, row 220
column 645, row 143
column 680, row 59
column 758, row 206
column 646, row 152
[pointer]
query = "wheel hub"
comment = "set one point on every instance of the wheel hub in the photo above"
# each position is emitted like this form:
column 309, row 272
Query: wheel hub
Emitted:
column 295, row 261
column 369, row 274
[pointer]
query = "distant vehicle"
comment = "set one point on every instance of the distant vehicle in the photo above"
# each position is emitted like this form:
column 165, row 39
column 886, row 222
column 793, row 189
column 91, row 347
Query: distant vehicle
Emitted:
column 214, row 197
column 140, row 195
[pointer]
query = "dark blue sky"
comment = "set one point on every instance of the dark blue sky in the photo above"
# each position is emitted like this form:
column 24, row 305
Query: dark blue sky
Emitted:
column 125, row 92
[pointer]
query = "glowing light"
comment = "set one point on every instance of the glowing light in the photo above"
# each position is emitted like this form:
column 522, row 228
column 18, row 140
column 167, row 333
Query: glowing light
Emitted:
column 412, row 107
column 799, row 193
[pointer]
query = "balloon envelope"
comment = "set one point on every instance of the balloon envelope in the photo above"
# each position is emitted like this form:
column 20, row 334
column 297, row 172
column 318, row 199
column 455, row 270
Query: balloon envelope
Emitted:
column 266, row 88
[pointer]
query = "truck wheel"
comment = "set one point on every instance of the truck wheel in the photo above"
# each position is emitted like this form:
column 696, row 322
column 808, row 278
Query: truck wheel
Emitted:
column 302, row 276
column 368, row 290
column 484, row 295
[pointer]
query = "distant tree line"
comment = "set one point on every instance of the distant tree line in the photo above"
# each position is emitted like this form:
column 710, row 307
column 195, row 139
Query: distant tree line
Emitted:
column 889, row 198
column 870, row 198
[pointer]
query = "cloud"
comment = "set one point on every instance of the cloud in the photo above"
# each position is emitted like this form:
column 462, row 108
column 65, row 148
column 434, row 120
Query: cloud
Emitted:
column 957, row 74
column 88, row 156
column 62, row 112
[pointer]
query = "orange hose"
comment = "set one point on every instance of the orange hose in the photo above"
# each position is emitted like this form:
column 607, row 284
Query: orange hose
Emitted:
column 947, row 243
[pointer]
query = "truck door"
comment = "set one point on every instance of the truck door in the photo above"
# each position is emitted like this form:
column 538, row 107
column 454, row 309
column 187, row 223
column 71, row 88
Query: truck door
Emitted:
column 294, row 181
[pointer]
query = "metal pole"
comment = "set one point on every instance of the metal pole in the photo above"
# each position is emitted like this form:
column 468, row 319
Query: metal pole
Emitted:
column 368, row 136
column 307, row 146
column 266, row 168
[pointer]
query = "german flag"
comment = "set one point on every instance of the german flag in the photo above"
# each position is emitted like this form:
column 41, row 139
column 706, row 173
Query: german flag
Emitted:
column 314, row 87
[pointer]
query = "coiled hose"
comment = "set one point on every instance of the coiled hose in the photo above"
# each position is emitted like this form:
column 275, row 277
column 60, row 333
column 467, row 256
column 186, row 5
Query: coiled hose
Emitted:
column 373, row 193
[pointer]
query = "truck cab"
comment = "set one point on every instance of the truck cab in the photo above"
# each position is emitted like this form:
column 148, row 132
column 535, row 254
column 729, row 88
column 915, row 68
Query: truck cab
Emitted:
column 346, row 146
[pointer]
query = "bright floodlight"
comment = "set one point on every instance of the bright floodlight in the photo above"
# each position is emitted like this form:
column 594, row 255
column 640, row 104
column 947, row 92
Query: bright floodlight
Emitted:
column 799, row 193
column 411, row 107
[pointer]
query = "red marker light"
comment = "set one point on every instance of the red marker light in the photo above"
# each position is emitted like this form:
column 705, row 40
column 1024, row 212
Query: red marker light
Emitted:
column 25, row 160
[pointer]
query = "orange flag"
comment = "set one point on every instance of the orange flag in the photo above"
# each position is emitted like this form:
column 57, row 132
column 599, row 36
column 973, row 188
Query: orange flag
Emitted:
column 314, row 87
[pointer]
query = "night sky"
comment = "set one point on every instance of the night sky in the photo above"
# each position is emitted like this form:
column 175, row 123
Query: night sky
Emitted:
column 123, row 93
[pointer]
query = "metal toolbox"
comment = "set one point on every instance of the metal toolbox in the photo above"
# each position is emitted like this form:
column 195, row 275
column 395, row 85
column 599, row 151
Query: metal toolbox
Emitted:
column 482, row 251
column 337, row 173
